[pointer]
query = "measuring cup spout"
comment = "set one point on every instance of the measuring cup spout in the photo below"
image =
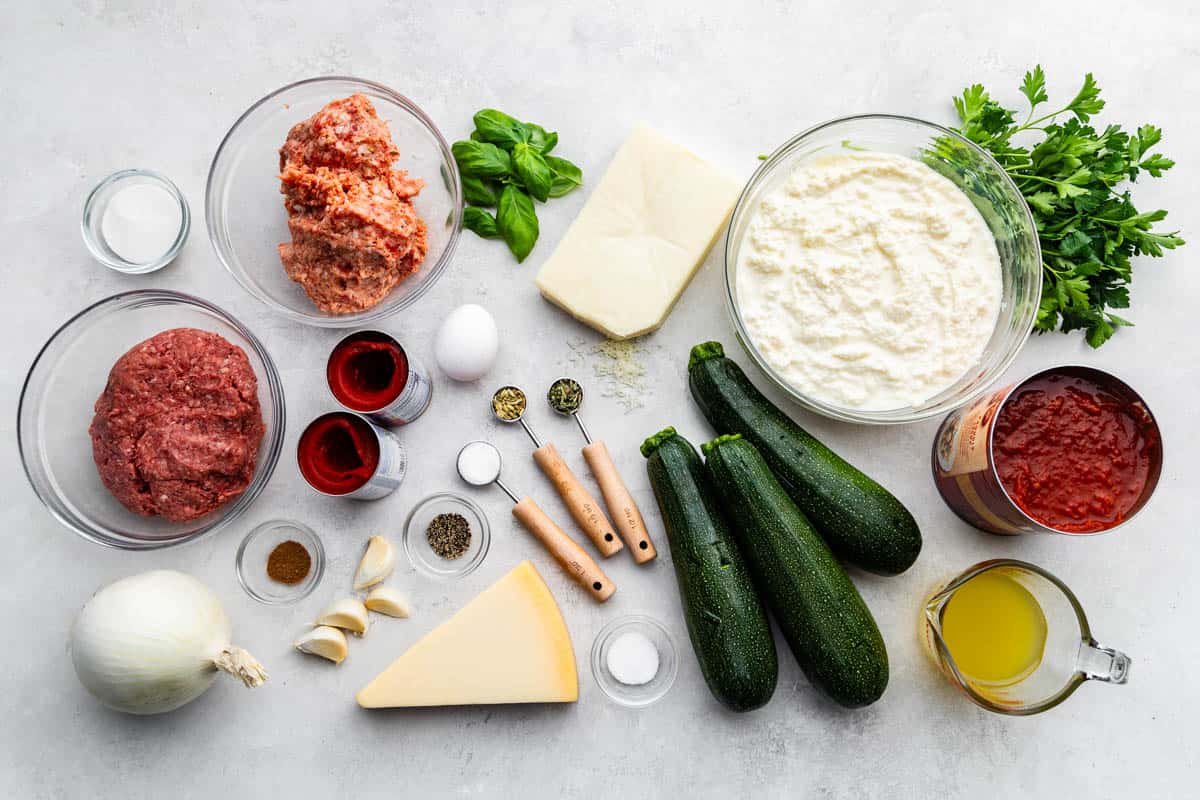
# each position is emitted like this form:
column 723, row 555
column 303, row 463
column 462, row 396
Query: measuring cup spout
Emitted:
column 1099, row 663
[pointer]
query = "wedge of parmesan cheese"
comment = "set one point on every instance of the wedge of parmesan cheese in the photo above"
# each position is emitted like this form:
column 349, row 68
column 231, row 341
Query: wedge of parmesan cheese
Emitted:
column 640, row 237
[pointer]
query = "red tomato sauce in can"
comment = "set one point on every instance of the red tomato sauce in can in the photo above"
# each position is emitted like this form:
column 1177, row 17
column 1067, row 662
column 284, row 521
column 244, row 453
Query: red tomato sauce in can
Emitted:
column 1072, row 454
column 370, row 373
column 338, row 453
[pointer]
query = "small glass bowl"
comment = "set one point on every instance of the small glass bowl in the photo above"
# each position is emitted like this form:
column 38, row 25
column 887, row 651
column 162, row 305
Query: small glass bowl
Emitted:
column 57, row 405
column 416, row 545
column 245, row 213
column 93, row 215
column 252, row 557
column 635, row 696
column 985, row 183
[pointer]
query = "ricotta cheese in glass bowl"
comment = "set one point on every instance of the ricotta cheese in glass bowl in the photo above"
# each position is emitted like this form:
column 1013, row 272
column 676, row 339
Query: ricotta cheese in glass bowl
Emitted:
column 879, row 272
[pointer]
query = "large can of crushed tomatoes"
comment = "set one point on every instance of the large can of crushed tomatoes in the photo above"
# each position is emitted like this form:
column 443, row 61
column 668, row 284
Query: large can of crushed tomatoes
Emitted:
column 370, row 373
column 1070, row 450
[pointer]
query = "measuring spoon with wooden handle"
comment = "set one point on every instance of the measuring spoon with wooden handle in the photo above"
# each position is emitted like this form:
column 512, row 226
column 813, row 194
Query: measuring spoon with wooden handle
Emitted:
column 479, row 465
column 566, row 396
column 508, row 404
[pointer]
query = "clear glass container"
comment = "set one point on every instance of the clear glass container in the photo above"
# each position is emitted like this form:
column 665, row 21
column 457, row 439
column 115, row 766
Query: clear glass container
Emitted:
column 987, row 186
column 255, row 549
column 57, row 405
column 245, row 213
column 93, row 218
column 635, row 695
column 416, row 544
column 1070, row 657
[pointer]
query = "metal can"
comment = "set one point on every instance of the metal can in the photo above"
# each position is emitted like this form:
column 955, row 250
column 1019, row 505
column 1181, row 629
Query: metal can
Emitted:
column 346, row 455
column 370, row 373
column 964, row 458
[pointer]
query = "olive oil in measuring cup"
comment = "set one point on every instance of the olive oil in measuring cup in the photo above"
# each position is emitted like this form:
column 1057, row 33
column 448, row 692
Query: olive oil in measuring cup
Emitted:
column 1014, row 638
column 994, row 629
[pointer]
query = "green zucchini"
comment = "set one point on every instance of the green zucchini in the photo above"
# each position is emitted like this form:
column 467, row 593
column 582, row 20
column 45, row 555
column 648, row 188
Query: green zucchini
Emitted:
column 823, row 618
column 863, row 523
column 726, row 622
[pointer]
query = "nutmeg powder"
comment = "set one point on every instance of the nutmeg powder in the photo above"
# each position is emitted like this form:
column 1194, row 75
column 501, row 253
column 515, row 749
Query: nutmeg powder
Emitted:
column 289, row 562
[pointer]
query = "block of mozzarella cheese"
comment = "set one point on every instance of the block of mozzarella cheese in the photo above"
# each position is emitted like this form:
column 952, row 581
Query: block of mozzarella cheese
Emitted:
column 508, row 645
column 640, row 237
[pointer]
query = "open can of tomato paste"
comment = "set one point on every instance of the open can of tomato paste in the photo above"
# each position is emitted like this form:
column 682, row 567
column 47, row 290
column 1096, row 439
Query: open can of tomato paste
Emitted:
column 346, row 455
column 1070, row 449
column 370, row 373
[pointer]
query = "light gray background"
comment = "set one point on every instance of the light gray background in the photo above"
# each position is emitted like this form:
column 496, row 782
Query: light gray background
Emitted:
column 91, row 87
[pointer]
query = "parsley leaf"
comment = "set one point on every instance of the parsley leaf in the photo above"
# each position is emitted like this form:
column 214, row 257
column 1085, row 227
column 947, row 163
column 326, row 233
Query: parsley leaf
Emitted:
column 1072, row 179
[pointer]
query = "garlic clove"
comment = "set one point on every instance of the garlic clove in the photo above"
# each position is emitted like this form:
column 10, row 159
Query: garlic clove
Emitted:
column 324, row 641
column 386, row 600
column 376, row 563
column 348, row 613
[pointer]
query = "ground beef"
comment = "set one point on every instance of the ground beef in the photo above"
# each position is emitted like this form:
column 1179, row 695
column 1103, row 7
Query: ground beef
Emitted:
column 177, row 428
column 355, row 233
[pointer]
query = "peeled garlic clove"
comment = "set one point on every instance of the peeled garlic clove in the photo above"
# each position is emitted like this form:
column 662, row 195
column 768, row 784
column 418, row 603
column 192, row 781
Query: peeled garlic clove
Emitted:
column 348, row 613
column 325, row 642
column 376, row 564
column 386, row 600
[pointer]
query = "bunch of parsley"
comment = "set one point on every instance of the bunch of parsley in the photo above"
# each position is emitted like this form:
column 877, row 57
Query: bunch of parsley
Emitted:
column 1072, row 180
column 506, row 165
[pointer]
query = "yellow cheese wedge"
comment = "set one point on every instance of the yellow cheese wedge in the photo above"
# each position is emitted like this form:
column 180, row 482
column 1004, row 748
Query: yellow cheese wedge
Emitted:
column 508, row 645
column 638, row 241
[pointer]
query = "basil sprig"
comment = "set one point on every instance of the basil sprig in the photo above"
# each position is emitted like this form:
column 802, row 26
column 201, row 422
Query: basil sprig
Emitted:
column 505, row 165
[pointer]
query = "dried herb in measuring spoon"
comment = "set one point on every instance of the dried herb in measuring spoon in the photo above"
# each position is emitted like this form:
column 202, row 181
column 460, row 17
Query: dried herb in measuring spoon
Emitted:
column 449, row 535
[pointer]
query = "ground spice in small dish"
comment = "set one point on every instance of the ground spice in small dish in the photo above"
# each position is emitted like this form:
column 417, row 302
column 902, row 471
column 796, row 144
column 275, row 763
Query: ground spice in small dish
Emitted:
column 289, row 562
column 449, row 535
column 509, row 403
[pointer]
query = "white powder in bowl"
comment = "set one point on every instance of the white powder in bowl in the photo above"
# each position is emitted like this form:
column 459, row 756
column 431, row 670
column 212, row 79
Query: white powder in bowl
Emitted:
column 633, row 659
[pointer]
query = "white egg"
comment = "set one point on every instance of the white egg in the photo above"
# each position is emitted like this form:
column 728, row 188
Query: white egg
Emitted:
column 466, row 343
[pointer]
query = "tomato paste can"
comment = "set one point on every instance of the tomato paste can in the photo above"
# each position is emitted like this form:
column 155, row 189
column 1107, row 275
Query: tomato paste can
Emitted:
column 370, row 373
column 346, row 455
column 965, row 451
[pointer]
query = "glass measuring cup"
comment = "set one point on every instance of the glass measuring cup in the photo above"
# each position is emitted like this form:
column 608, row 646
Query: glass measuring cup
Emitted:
column 1068, row 657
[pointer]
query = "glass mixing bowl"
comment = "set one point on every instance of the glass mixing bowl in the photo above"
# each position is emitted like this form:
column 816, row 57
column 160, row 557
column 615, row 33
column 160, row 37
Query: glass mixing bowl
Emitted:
column 983, row 181
column 57, row 404
column 244, row 208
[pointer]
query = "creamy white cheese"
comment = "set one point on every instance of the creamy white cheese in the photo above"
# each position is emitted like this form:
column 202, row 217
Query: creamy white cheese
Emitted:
column 868, row 281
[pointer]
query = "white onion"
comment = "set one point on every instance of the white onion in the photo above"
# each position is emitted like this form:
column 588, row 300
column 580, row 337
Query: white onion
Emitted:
column 152, row 642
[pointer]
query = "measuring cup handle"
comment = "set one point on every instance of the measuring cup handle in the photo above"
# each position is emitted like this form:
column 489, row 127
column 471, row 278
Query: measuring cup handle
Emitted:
column 1099, row 663
column 570, row 556
column 621, row 506
column 579, row 501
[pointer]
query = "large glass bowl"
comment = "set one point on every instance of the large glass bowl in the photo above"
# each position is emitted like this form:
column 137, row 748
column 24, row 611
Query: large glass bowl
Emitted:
column 57, row 404
column 244, row 207
column 988, row 187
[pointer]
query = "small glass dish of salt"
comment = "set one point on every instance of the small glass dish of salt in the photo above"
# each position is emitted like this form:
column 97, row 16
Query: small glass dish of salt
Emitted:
column 634, row 660
column 135, row 221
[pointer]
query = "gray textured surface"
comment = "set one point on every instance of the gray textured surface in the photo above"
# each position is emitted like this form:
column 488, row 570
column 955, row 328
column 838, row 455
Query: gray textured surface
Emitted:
column 91, row 87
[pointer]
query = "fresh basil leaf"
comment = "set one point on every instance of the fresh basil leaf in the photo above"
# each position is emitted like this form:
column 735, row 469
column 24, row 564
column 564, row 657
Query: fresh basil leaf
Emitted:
column 533, row 171
column 539, row 138
column 517, row 221
column 481, row 159
column 500, row 129
column 481, row 222
column 480, row 191
column 566, row 176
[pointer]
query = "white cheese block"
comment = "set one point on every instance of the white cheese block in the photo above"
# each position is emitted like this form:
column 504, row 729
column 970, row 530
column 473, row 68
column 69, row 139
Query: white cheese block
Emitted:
column 508, row 645
column 640, row 237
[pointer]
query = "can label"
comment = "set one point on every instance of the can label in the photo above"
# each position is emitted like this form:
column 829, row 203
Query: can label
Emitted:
column 412, row 401
column 389, row 472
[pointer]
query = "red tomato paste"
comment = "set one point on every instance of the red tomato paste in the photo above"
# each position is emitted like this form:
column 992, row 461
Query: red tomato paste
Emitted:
column 1073, row 454
column 338, row 453
column 367, row 371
